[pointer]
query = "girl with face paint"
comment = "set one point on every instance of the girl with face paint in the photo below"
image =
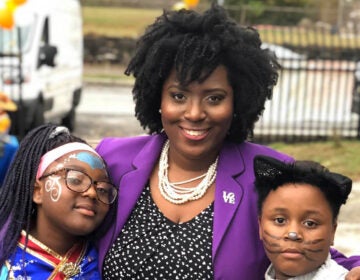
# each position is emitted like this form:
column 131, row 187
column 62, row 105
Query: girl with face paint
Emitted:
column 56, row 199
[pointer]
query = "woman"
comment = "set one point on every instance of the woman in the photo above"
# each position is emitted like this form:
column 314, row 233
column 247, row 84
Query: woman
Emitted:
column 54, row 200
column 187, row 203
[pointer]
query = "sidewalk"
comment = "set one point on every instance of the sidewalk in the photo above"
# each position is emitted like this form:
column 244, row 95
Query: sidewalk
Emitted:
column 347, row 238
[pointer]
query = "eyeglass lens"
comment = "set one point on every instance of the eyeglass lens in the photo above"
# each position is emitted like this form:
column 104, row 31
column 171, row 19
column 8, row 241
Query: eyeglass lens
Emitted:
column 78, row 181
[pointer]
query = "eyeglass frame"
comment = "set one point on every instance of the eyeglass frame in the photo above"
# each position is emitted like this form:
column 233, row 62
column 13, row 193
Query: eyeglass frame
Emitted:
column 92, row 182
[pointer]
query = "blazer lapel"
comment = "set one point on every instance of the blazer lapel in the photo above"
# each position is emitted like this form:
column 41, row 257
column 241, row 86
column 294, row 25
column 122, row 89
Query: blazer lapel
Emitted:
column 228, row 193
column 133, row 181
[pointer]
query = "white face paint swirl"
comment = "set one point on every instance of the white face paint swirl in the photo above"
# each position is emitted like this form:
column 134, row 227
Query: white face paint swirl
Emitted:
column 53, row 186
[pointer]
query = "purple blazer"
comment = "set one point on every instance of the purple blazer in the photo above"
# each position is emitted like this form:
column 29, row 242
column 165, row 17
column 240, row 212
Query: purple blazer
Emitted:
column 237, row 251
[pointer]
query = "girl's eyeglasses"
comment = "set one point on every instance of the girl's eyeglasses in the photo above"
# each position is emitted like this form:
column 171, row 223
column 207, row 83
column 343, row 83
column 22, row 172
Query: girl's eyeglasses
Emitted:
column 79, row 181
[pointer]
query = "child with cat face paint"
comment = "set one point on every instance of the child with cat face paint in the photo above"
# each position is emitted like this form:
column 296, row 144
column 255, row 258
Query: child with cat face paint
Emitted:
column 56, row 198
column 298, row 208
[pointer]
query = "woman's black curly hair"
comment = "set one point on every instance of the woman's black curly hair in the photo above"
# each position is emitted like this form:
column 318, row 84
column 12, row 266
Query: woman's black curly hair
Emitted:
column 17, row 208
column 195, row 44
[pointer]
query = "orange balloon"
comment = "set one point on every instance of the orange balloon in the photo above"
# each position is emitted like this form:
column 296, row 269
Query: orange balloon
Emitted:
column 6, row 18
column 18, row 2
column 191, row 3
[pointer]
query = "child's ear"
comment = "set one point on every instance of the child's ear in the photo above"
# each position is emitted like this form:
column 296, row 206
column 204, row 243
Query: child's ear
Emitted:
column 38, row 192
column 260, row 228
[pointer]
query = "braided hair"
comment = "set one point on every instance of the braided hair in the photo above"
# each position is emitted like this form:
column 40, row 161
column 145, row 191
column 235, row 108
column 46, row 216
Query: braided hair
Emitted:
column 16, row 194
column 195, row 45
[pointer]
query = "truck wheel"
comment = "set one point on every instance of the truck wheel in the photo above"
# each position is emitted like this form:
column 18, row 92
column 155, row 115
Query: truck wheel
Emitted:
column 69, row 120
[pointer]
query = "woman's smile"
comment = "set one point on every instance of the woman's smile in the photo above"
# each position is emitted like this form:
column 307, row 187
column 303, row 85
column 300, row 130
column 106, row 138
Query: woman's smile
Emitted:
column 195, row 134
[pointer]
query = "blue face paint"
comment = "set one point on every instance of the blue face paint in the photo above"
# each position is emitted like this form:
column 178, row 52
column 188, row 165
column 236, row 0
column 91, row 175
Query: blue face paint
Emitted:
column 92, row 160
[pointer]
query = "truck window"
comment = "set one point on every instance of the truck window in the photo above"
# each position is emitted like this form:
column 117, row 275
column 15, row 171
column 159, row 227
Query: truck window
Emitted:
column 45, row 33
column 9, row 43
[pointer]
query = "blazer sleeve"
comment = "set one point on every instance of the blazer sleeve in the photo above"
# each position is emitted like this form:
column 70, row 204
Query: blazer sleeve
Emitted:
column 347, row 262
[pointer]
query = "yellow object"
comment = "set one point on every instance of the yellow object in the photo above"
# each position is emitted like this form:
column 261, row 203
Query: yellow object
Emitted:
column 7, row 8
column 5, row 123
column 6, row 16
column 18, row 2
column 191, row 3
column 6, row 104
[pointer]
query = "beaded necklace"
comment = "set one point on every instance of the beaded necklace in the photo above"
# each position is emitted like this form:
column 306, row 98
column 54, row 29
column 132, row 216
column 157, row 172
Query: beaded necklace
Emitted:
column 176, row 194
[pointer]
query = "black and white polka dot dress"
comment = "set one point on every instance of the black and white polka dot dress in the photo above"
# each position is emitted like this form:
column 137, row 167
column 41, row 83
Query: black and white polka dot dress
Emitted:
column 150, row 246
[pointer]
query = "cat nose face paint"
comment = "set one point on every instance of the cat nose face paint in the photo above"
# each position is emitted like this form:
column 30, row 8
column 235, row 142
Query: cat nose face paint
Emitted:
column 292, row 235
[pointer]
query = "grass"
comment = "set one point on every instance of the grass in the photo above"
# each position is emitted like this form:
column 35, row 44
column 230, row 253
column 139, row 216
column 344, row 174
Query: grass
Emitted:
column 117, row 21
column 340, row 156
column 131, row 22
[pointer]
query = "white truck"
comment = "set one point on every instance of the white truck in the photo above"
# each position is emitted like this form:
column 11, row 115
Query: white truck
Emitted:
column 41, row 63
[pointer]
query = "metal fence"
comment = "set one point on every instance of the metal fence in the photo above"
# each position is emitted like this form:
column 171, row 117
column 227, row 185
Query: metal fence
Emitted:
column 317, row 94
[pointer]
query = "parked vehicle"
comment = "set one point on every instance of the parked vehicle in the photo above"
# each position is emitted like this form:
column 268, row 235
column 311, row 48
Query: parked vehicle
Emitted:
column 41, row 63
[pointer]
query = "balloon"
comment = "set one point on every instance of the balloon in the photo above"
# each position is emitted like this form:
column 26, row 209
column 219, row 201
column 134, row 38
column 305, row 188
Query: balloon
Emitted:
column 179, row 5
column 6, row 18
column 191, row 3
column 18, row 2
column 8, row 4
column 7, row 9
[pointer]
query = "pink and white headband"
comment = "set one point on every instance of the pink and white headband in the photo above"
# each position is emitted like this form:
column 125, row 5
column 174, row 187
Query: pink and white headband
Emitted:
column 58, row 152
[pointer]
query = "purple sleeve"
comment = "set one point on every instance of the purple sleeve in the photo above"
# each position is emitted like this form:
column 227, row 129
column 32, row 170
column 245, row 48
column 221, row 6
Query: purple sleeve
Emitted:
column 347, row 262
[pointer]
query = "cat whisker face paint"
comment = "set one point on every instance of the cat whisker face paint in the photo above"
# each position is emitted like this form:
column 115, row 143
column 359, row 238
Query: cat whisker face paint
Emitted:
column 297, row 228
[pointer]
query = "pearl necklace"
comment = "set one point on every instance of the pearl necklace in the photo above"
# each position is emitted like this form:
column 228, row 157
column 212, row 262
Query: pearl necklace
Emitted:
column 175, row 194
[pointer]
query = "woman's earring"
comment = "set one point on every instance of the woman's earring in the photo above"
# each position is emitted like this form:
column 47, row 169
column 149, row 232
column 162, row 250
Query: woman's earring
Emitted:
column 159, row 111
